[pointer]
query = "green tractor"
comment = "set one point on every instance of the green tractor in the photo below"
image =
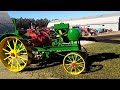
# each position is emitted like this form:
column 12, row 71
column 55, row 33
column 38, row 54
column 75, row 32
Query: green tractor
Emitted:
column 16, row 51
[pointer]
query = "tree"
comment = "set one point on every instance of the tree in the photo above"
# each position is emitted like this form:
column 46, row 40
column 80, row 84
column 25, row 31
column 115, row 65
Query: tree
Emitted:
column 26, row 23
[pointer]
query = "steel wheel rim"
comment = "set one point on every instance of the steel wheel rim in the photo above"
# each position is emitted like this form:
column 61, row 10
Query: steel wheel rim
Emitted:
column 14, row 54
column 73, row 63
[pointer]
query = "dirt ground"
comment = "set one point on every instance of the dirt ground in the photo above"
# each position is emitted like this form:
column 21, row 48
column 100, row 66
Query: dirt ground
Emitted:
column 34, row 72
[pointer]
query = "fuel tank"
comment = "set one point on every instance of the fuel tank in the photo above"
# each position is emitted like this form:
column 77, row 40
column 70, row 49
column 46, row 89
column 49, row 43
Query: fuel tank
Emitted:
column 74, row 34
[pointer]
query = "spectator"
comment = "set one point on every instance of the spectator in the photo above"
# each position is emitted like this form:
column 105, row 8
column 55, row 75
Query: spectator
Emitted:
column 93, row 32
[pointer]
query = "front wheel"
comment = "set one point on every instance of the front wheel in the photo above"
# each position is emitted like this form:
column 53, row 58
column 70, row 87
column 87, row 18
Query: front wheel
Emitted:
column 74, row 63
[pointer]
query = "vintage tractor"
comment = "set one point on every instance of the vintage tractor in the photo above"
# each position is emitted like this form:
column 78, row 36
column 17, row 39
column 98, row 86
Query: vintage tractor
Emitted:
column 19, row 48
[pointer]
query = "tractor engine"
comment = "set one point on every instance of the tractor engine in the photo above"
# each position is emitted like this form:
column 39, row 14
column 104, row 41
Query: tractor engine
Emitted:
column 66, row 34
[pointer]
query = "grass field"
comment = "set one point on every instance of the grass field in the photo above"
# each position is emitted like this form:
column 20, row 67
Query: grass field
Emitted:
column 103, row 60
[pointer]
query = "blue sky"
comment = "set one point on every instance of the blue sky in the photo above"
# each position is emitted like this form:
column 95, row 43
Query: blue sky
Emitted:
column 56, row 14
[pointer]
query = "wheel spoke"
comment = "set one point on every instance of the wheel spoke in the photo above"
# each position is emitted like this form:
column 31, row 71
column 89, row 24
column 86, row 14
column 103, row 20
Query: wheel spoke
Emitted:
column 11, row 64
column 7, row 53
column 7, row 57
column 75, row 70
column 71, row 69
column 22, row 49
column 67, row 64
column 6, row 50
column 15, row 43
column 68, row 67
column 78, row 69
column 78, row 60
column 73, row 57
column 22, row 59
column 69, row 58
column 18, row 64
column 24, row 53
column 81, row 64
column 9, row 45
column 20, row 45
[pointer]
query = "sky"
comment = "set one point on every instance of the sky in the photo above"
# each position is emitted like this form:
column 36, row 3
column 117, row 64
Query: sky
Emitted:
column 50, row 15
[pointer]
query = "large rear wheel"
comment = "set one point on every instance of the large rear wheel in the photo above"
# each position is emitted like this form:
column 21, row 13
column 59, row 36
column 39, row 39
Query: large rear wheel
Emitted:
column 14, row 54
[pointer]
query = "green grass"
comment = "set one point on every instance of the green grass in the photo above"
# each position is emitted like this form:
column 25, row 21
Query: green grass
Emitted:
column 116, row 39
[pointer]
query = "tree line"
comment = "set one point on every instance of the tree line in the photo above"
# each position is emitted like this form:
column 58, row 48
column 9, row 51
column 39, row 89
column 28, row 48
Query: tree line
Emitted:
column 26, row 23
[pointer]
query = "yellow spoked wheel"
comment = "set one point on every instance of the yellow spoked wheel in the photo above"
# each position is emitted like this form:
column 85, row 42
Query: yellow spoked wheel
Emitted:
column 14, row 55
column 74, row 63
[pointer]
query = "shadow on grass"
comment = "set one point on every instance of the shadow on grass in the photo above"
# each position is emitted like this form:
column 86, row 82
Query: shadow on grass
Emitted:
column 98, row 58
column 89, row 61
column 53, row 61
